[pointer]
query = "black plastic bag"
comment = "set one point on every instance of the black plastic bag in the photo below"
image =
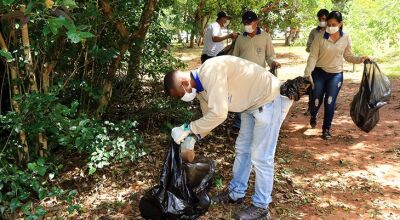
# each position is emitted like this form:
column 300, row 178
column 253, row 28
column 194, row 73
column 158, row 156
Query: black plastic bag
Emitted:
column 374, row 93
column 182, row 191
column 295, row 88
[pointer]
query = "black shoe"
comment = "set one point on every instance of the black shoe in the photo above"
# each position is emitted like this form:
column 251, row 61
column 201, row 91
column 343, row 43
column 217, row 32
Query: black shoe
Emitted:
column 313, row 122
column 295, row 88
column 224, row 198
column 326, row 134
column 253, row 212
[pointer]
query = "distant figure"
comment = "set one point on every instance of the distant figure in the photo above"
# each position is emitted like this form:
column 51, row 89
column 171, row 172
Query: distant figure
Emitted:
column 325, row 69
column 320, row 29
column 214, row 39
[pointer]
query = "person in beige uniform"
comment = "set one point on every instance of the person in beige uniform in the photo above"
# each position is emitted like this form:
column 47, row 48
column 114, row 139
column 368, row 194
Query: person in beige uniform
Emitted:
column 254, row 45
column 320, row 29
column 325, row 69
column 228, row 83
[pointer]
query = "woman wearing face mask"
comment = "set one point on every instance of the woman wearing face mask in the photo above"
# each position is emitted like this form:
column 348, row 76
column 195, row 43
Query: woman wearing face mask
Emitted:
column 325, row 69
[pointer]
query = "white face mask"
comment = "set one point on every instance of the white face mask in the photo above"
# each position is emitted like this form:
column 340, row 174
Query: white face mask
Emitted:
column 332, row 30
column 248, row 29
column 227, row 23
column 322, row 24
column 188, row 97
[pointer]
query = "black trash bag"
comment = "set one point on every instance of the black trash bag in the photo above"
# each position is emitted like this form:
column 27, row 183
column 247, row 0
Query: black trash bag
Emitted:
column 374, row 93
column 228, row 50
column 295, row 88
column 182, row 191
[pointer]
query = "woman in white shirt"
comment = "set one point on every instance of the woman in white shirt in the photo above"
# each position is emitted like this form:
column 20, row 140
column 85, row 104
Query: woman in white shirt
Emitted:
column 325, row 69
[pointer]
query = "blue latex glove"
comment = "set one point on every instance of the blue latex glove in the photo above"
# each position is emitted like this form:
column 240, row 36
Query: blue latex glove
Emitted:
column 180, row 133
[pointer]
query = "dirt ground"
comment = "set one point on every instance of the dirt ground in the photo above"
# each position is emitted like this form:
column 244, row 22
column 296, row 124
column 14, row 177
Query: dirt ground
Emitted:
column 355, row 175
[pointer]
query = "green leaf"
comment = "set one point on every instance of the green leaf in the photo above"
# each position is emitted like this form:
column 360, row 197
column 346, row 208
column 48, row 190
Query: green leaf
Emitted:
column 26, row 209
column 8, row 2
column 85, row 35
column 40, row 211
column 42, row 193
column 6, row 55
column 15, row 203
column 92, row 170
column 72, row 208
column 70, row 4
column 41, row 170
column 74, row 36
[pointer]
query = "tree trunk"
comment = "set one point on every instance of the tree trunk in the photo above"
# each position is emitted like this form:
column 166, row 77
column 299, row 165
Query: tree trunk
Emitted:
column 42, row 139
column 136, row 51
column 24, row 154
column 49, row 66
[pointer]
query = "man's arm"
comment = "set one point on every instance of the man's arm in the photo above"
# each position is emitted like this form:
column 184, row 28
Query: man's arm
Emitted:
column 219, row 39
column 310, row 40
column 217, row 106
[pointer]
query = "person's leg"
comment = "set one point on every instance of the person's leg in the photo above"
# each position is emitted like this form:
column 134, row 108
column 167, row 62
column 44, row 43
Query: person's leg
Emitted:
column 333, row 86
column 265, row 137
column 318, row 91
column 242, row 165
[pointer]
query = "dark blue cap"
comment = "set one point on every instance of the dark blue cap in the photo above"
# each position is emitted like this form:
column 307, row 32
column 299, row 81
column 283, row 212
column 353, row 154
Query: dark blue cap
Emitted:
column 249, row 16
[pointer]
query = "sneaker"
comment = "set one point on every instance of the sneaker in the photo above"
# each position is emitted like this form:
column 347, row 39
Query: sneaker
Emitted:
column 253, row 212
column 313, row 122
column 224, row 198
column 326, row 134
column 295, row 88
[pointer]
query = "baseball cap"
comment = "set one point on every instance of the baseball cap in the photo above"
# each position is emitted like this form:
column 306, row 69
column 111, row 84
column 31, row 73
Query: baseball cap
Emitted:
column 249, row 16
column 223, row 14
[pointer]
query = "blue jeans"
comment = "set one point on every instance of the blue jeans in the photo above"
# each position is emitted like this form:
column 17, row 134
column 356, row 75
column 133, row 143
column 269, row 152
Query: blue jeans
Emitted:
column 326, row 87
column 255, row 147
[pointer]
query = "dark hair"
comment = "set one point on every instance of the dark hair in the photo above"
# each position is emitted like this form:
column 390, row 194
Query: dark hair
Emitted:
column 335, row 15
column 169, row 81
column 322, row 12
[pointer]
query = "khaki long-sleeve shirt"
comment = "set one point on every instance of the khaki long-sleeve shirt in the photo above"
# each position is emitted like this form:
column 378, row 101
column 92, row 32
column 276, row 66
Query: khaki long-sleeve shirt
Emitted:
column 231, row 84
column 329, row 55
column 314, row 32
column 257, row 49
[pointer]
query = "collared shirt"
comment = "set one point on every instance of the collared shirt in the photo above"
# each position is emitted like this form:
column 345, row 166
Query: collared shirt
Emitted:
column 231, row 84
column 212, row 48
column 329, row 55
column 314, row 32
column 257, row 49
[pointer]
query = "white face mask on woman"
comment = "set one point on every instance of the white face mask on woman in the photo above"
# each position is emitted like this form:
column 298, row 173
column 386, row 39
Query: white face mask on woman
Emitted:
column 322, row 24
column 332, row 30
column 188, row 97
column 248, row 28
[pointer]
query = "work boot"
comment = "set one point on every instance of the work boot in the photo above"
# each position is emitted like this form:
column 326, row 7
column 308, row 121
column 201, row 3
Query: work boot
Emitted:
column 326, row 135
column 253, row 213
column 295, row 88
column 313, row 122
column 224, row 198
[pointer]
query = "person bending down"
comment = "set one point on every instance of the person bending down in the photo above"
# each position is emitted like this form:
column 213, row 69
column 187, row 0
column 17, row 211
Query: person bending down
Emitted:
column 228, row 83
